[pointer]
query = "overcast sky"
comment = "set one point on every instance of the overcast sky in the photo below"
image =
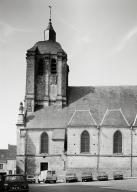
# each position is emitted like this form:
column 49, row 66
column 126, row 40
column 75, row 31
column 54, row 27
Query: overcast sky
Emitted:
column 99, row 36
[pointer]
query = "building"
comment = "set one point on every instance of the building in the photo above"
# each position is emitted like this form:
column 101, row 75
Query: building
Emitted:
column 68, row 128
column 8, row 160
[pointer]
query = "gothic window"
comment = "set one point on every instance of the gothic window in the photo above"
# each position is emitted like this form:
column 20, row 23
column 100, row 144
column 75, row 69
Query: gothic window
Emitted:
column 44, row 142
column 10, row 172
column 40, row 67
column 1, row 166
column 117, row 142
column 85, row 141
column 53, row 66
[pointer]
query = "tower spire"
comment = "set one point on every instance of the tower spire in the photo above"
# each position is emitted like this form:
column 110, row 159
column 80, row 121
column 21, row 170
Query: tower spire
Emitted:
column 50, row 12
column 50, row 30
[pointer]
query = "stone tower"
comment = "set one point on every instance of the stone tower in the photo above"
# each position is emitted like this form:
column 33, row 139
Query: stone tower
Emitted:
column 47, row 73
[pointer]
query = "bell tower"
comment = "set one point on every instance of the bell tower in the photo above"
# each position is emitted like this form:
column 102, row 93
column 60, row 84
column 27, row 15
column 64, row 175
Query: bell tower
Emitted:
column 47, row 73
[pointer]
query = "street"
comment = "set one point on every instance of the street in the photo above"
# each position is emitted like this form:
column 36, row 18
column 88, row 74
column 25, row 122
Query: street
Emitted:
column 94, row 186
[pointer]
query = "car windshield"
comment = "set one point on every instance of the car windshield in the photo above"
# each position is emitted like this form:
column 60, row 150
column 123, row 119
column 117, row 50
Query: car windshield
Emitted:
column 17, row 178
column 117, row 172
column 86, row 173
column 70, row 174
column 51, row 173
column 102, row 173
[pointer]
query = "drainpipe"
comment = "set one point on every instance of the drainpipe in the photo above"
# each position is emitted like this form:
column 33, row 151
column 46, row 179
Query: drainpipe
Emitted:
column 98, row 157
column 26, row 153
column 131, row 163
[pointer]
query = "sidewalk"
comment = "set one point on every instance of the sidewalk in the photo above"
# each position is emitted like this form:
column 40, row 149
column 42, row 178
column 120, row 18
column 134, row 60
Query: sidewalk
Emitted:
column 129, row 184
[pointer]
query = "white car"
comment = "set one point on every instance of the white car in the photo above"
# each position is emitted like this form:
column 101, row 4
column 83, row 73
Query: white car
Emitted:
column 47, row 176
column 42, row 176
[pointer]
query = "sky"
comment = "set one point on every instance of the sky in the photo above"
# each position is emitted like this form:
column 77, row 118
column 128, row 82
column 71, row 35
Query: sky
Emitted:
column 99, row 36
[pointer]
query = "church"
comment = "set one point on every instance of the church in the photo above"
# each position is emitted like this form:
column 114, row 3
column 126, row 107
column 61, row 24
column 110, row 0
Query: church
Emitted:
column 65, row 128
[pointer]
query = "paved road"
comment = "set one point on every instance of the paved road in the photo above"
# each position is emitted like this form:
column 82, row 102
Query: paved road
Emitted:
column 104, row 186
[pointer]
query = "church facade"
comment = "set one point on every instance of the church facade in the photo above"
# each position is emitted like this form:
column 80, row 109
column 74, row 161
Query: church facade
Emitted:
column 66, row 128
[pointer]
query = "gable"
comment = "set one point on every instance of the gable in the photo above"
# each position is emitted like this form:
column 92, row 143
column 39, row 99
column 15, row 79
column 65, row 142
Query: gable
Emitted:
column 114, row 118
column 82, row 118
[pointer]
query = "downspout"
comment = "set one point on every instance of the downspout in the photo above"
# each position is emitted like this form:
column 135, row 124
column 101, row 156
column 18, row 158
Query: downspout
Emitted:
column 131, row 163
column 25, row 153
column 98, row 156
column 26, row 141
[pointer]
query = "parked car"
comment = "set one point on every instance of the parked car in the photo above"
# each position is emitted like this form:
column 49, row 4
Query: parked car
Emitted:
column 47, row 176
column 31, row 179
column 102, row 176
column 2, row 181
column 15, row 183
column 117, row 175
column 42, row 176
column 86, row 176
column 51, row 177
column 71, row 177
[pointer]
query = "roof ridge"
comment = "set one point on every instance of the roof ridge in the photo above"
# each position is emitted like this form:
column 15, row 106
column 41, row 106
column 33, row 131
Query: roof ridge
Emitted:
column 92, row 117
column 72, row 117
column 116, row 109
column 104, row 116
column 135, row 120
column 124, row 117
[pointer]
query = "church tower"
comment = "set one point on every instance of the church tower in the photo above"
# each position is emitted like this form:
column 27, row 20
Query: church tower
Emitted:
column 47, row 73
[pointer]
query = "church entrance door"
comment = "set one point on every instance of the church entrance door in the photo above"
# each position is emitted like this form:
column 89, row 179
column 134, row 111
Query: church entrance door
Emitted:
column 43, row 166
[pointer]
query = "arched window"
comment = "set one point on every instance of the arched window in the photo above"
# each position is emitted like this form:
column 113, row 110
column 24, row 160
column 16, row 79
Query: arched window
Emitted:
column 85, row 141
column 40, row 67
column 44, row 143
column 53, row 66
column 117, row 142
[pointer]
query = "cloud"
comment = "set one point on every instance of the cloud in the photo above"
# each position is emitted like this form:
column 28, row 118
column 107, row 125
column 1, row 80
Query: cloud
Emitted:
column 132, row 33
column 7, row 30
column 86, row 39
column 81, row 37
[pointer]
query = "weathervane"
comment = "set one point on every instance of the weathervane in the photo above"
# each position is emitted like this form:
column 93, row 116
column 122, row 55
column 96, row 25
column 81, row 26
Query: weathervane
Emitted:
column 50, row 11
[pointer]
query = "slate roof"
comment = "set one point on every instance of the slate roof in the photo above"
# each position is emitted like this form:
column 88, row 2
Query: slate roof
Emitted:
column 8, row 154
column 3, row 154
column 82, row 118
column 47, row 47
column 96, row 99
column 114, row 118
